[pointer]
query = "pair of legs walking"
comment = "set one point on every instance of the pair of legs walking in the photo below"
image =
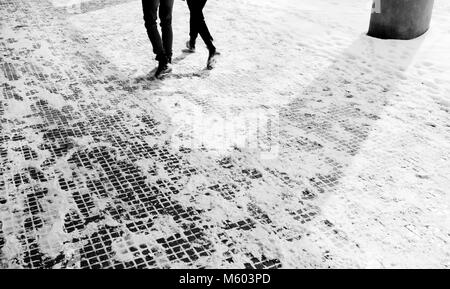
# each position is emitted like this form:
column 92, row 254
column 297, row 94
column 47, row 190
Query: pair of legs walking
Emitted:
column 162, row 45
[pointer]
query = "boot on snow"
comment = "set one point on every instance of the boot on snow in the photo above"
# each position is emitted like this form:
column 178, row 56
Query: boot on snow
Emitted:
column 212, row 58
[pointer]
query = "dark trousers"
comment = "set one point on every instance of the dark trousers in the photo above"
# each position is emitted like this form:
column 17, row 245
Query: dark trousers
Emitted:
column 162, row 47
column 198, row 24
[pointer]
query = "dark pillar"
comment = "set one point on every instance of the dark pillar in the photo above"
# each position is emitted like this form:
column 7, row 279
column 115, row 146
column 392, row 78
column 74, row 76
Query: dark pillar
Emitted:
column 400, row 19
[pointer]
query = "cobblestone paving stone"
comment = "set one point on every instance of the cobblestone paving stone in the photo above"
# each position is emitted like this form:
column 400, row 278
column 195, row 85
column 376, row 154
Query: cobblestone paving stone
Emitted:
column 102, row 169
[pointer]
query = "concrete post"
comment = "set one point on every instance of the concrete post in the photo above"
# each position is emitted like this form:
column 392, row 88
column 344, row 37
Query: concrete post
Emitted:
column 400, row 19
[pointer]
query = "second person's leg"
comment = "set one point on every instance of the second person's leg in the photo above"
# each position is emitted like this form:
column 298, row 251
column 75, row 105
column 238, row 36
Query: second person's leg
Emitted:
column 193, row 23
column 198, row 24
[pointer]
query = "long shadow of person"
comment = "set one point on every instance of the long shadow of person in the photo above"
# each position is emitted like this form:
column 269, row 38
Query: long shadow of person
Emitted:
column 335, row 113
column 323, row 128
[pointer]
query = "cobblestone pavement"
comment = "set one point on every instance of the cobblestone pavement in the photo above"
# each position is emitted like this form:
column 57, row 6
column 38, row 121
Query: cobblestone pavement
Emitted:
column 309, row 146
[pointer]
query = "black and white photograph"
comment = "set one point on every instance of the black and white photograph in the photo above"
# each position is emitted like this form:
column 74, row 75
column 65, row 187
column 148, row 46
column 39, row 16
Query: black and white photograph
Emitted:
column 244, row 135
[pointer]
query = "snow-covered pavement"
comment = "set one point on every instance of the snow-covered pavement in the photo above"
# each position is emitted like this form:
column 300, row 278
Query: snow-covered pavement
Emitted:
column 310, row 145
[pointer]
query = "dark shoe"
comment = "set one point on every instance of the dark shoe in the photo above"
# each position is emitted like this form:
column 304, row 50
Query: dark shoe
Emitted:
column 190, row 47
column 163, row 69
column 212, row 58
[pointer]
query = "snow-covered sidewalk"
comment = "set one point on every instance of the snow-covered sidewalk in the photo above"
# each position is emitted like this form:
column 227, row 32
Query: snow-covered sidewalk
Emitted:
column 309, row 145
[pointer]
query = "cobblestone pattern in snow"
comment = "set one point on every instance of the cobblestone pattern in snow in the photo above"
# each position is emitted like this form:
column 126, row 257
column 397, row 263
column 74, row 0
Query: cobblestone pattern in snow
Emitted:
column 101, row 168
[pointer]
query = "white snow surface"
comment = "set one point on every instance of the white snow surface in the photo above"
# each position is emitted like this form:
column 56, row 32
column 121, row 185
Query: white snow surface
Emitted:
column 380, row 110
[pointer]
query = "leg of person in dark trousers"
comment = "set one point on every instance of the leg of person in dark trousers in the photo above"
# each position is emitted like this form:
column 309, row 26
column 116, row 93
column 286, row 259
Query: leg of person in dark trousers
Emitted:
column 162, row 47
column 198, row 26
